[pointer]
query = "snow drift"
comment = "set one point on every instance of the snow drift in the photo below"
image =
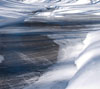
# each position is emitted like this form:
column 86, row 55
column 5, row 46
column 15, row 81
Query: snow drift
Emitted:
column 88, row 64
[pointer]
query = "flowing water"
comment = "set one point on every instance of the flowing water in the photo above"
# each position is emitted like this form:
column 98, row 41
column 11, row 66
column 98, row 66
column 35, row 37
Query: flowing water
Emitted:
column 49, row 44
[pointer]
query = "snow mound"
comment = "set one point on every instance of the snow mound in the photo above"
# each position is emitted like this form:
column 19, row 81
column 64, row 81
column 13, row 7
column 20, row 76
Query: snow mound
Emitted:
column 88, row 75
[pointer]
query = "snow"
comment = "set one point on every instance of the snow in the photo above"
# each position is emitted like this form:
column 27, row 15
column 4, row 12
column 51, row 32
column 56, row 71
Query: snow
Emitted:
column 12, row 11
column 88, row 64
column 56, row 78
column 91, row 45
column 15, row 12
column 88, row 77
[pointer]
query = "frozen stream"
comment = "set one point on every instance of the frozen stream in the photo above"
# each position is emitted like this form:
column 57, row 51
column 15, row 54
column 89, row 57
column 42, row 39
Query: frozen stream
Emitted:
column 49, row 44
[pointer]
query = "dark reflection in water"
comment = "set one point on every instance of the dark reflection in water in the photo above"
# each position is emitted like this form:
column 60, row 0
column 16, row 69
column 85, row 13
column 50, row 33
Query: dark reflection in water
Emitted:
column 24, row 55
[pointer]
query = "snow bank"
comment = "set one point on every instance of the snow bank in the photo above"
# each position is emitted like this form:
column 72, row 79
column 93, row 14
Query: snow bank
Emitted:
column 91, row 49
column 88, row 76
